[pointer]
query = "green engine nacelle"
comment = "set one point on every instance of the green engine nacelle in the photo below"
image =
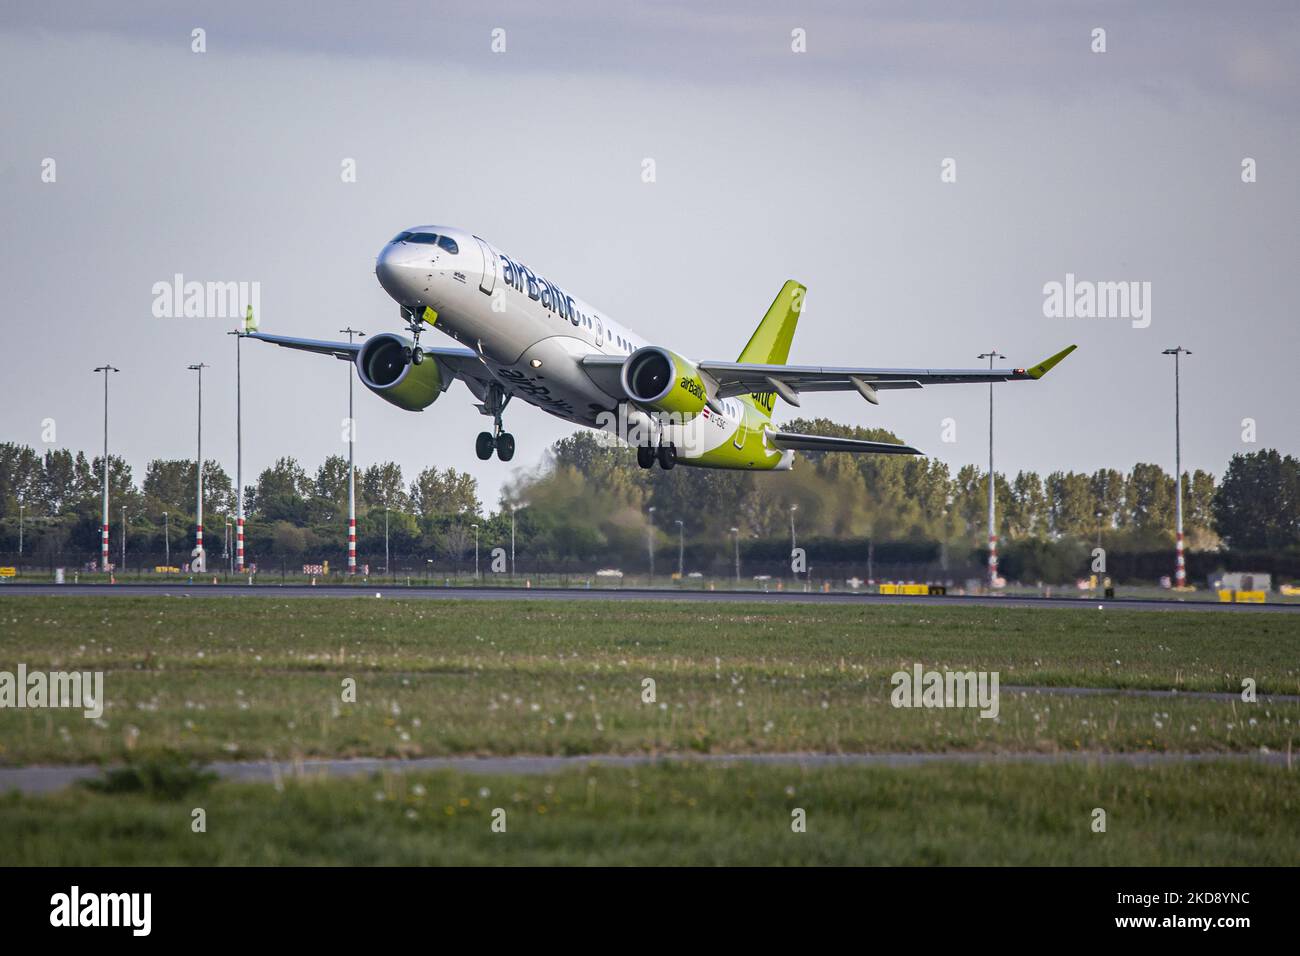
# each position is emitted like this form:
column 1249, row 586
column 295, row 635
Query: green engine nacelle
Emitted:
column 664, row 381
column 385, row 369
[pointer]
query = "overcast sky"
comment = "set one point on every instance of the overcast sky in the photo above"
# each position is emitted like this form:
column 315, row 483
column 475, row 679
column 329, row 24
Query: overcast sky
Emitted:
column 822, row 166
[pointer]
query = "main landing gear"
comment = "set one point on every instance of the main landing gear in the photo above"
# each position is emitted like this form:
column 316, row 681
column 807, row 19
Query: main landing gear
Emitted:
column 666, row 455
column 498, row 440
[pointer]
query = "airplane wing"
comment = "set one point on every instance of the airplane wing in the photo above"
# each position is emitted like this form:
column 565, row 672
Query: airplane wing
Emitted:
column 463, row 363
column 792, row 441
column 742, row 378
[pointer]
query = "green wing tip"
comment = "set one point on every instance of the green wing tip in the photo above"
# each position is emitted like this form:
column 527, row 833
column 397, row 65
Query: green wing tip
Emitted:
column 1046, row 365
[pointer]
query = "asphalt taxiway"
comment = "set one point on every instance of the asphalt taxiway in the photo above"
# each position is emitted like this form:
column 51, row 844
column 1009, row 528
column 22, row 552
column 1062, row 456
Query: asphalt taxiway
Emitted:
column 491, row 593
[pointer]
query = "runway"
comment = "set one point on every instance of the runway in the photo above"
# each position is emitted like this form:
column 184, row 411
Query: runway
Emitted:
column 491, row 593
column 35, row 780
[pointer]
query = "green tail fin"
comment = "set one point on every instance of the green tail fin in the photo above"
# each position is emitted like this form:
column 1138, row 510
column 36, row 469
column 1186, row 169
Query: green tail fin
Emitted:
column 770, row 343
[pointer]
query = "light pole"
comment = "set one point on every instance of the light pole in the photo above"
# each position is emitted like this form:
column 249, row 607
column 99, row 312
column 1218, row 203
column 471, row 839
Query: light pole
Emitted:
column 198, row 508
column 20, row 527
column 167, row 541
column 681, row 551
column 124, row 539
column 793, row 546
column 103, row 547
column 735, row 533
column 250, row 323
column 352, row 441
column 993, row 533
column 512, row 544
column 475, row 552
column 650, row 539
column 1180, row 568
column 386, row 538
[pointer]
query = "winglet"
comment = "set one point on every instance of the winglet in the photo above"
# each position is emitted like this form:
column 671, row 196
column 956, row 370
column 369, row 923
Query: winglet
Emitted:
column 1046, row 365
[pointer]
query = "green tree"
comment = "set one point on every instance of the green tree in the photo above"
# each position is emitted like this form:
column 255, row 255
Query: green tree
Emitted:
column 20, row 479
column 447, row 492
column 65, row 481
column 282, row 492
column 169, row 484
column 1108, row 489
column 1149, row 500
column 1071, row 504
column 1258, row 502
column 382, row 486
column 1198, row 507
column 331, row 483
column 1027, row 515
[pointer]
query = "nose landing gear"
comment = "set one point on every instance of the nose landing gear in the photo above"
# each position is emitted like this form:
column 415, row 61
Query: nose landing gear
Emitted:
column 414, row 325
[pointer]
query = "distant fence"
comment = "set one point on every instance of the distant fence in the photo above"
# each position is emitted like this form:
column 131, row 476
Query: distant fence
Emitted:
column 419, row 567
column 833, row 561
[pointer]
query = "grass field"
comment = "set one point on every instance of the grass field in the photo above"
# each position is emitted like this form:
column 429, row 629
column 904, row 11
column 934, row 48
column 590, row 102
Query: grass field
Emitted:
column 259, row 678
column 199, row 678
column 687, row 815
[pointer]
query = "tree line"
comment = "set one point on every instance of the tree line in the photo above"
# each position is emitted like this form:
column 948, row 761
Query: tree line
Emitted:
column 589, row 502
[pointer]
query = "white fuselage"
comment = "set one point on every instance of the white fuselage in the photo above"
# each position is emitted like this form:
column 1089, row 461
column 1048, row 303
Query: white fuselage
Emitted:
column 530, row 332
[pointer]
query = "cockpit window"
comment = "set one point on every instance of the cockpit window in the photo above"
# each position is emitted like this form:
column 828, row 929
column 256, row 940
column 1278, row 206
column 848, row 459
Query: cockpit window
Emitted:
column 446, row 243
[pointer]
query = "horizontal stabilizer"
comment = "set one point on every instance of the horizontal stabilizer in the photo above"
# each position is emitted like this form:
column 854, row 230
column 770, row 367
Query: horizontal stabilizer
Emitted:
column 790, row 441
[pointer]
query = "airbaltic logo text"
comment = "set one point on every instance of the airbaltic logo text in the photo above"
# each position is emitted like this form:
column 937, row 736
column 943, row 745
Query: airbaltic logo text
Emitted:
column 922, row 688
column 179, row 299
column 79, row 689
column 103, row 909
column 1084, row 299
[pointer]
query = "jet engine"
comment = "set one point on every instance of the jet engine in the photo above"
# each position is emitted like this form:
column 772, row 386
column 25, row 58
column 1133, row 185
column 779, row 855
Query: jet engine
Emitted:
column 386, row 369
column 658, row 379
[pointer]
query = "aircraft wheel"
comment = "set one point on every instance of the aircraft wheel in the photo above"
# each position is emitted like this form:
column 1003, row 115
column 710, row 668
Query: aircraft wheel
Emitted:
column 483, row 445
column 645, row 456
column 417, row 355
column 505, row 446
column 667, row 457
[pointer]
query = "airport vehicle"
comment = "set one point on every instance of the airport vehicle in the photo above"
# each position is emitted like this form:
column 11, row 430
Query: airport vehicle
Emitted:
column 522, row 335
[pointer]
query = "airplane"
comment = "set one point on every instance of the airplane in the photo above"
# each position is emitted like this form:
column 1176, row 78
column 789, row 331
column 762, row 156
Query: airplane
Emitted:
column 522, row 335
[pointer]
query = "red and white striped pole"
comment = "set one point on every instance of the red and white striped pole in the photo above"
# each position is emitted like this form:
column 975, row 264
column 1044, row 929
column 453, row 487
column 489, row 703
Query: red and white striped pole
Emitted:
column 103, row 528
column 352, row 491
column 198, row 507
column 250, row 325
column 993, row 532
column 352, row 545
column 1180, row 567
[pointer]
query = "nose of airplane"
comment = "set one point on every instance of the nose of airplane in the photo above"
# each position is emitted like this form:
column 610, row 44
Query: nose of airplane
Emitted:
column 396, row 269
